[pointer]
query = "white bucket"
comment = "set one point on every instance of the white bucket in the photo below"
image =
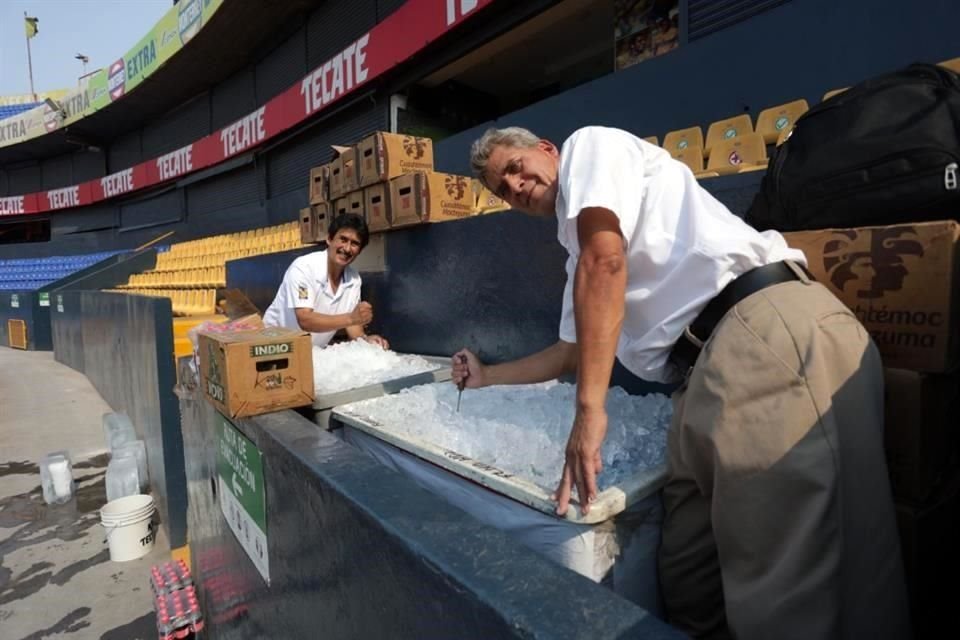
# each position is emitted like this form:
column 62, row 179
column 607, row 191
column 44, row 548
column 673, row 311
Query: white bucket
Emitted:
column 128, row 523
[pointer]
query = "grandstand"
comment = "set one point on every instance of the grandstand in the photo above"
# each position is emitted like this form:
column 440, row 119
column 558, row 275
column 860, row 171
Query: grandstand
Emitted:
column 125, row 228
column 9, row 110
column 27, row 274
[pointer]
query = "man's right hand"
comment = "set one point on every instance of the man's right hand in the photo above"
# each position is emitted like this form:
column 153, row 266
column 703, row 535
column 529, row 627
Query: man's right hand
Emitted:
column 468, row 369
column 362, row 314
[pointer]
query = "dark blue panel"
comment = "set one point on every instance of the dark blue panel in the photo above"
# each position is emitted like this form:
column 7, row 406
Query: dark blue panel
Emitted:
column 284, row 66
column 128, row 357
column 233, row 98
column 66, row 319
column 188, row 123
column 57, row 172
column 334, row 25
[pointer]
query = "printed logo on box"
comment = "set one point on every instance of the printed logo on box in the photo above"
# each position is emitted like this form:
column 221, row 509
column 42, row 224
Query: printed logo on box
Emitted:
column 873, row 271
column 414, row 147
column 259, row 350
column 456, row 186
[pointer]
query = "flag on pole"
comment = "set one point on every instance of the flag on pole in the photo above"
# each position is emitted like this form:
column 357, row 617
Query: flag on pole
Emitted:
column 30, row 24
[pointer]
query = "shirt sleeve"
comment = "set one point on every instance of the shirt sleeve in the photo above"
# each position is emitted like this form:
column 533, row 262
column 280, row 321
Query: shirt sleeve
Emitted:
column 568, row 323
column 355, row 293
column 602, row 167
column 299, row 287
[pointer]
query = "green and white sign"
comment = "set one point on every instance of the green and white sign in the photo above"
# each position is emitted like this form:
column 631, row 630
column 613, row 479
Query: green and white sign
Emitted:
column 44, row 299
column 14, row 301
column 243, row 498
column 59, row 303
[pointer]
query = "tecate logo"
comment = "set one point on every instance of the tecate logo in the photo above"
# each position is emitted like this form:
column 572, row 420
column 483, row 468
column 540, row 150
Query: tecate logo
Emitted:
column 116, row 79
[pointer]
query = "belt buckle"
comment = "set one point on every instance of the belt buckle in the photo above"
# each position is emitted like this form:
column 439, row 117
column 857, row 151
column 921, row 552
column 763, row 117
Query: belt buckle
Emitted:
column 697, row 342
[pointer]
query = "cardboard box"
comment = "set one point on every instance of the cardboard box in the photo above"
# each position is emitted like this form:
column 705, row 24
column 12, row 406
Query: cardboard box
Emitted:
column 430, row 197
column 343, row 173
column 383, row 156
column 485, row 201
column 314, row 222
column 376, row 200
column 246, row 373
column 308, row 226
column 319, row 187
column 920, row 430
column 901, row 281
column 350, row 203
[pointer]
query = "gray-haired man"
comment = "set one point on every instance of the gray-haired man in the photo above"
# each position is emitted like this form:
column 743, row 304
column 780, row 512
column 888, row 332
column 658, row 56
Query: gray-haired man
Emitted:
column 779, row 520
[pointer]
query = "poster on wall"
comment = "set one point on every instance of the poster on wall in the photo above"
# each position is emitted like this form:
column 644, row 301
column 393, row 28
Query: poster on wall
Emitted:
column 644, row 29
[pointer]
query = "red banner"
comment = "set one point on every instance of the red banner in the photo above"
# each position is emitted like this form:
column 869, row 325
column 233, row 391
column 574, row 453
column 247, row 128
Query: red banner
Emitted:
column 405, row 32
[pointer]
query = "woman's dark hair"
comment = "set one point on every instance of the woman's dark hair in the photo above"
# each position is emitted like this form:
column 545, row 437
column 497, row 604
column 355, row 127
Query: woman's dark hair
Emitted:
column 350, row 221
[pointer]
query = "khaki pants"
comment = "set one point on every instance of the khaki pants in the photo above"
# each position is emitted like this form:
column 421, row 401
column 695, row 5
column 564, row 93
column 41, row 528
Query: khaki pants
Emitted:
column 779, row 517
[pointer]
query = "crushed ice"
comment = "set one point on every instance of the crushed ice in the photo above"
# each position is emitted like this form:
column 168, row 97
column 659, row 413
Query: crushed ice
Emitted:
column 523, row 429
column 357, row 363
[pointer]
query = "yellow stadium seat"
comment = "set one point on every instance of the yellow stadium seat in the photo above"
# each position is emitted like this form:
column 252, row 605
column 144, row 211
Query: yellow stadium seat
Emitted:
column 772, row 122
column 833, row 92
column 953, row 64
column 727, row 129
column 738, row 154
column 683, row 139
column 691, row 156
column 653, row 140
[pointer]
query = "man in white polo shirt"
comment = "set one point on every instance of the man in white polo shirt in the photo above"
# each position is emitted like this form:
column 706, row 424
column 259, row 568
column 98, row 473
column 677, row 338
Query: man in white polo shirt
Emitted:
column 779, row 520
column 320, row 292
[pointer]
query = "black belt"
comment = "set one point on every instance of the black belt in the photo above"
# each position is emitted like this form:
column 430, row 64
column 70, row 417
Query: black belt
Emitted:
column 687, row 348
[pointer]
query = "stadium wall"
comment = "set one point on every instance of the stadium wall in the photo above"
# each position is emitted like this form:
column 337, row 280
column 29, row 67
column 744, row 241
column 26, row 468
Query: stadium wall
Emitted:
column 800, row 48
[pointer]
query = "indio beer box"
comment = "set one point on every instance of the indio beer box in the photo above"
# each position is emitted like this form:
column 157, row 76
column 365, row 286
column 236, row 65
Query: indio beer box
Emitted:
column 246, row 373
column 427, row 196
column 383, row 156
column 900, row 281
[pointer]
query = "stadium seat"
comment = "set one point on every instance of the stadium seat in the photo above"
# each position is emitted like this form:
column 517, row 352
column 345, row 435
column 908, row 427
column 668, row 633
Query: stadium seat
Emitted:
column 952, row 64
column 690, row 156
column 738, row 154
column 727, row 129
column 683, row 139
column 653, row 140
column 773, row 122
column 833, row 92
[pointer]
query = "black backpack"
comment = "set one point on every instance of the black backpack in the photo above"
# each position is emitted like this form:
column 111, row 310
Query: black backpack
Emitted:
column 883, row 152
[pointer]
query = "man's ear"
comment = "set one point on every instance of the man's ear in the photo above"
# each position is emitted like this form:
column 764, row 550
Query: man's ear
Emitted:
column 549, row 147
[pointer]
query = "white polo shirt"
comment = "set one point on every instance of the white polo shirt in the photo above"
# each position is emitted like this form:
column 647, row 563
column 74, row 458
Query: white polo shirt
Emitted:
column 682, row 245
column 306, row 286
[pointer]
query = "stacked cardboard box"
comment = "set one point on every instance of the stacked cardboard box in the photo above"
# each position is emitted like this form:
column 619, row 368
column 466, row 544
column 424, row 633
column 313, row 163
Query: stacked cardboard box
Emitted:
column 389, row 179
column 901, row 282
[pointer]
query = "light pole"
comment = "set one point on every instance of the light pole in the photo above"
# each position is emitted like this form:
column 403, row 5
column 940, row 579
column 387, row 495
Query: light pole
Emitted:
column 84, row 59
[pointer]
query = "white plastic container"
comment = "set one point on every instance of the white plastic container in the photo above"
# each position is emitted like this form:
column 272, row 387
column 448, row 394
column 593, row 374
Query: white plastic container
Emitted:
column 123, row 477
column 129, row 528
column 138, row 450
column 56, row 477
column 118, row 429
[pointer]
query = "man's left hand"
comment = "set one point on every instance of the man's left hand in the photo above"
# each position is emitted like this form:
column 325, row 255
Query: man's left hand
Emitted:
column 583, row 462
column 378, row 340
